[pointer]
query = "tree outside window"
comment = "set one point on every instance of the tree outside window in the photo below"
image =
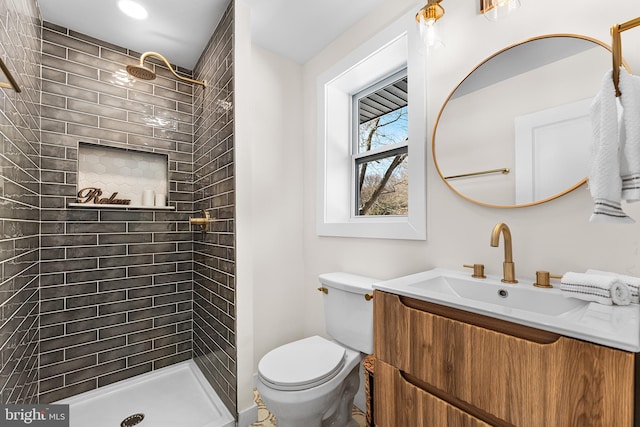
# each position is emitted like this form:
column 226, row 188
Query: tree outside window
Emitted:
column 381, row 161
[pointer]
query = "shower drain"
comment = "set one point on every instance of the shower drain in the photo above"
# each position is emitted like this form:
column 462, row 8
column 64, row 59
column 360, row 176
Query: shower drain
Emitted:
column 132, row 420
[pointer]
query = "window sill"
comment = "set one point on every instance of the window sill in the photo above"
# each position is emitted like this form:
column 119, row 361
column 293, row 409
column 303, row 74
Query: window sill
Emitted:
column 399, row 228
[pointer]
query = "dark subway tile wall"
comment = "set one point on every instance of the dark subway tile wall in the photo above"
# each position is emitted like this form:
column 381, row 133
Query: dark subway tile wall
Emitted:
column 116, row 285
column 20, row 37
column 214, row 302
column 89, row 297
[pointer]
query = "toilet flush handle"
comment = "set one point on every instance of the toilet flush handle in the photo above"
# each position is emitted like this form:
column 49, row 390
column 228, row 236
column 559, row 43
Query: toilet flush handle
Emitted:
column 324, row 290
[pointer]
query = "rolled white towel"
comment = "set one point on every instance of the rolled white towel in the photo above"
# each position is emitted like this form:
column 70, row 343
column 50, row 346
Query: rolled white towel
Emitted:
column 592, row 287
column 633, row 283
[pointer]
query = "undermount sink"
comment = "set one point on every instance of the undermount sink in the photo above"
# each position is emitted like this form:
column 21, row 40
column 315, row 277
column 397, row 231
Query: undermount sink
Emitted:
column 525, row 304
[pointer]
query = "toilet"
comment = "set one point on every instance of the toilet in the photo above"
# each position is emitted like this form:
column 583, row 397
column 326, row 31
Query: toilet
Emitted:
column 312, row 382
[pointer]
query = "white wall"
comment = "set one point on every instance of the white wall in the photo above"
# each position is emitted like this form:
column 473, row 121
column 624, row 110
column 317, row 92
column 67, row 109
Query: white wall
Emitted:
column 555, row 236
column 244, row 213
column 283, row 253
column 277, row 200
column 269, row 202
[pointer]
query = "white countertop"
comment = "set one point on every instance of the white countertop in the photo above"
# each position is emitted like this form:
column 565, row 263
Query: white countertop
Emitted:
column 546, row 309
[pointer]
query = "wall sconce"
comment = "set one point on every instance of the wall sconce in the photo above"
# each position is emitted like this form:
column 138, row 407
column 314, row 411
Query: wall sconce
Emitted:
column 494, row 10
column 427, row 17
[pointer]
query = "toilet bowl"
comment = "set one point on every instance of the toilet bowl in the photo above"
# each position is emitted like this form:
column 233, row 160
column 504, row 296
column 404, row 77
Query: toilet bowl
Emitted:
column 312, row 382
column 304, row 397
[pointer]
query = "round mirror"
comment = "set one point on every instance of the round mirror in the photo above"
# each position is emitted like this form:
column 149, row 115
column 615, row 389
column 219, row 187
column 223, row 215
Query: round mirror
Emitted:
column 516, row 131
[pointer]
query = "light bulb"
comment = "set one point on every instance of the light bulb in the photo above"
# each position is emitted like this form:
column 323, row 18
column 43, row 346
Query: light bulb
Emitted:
column 429, row 34
column 499, row 9
column 133, row 9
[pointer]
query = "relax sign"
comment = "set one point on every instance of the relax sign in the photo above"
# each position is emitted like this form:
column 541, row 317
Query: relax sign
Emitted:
column 93, row 195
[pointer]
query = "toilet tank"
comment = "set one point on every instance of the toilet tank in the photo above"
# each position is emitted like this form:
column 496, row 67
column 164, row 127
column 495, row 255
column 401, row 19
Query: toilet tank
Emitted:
column 348, row 314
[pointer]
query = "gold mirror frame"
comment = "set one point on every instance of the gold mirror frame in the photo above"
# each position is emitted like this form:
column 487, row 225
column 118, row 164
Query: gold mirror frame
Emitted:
column 435, row 127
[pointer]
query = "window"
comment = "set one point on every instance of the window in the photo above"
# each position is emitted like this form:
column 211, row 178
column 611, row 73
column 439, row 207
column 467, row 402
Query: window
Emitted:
column 380, row 148
column 371, row 139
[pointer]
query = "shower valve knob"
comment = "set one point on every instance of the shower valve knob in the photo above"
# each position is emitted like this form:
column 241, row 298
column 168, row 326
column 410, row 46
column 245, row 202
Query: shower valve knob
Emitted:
column 202, row 222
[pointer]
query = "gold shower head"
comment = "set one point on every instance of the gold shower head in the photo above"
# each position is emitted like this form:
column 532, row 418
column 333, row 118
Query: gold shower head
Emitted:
column 144, row 73
column 141, row 72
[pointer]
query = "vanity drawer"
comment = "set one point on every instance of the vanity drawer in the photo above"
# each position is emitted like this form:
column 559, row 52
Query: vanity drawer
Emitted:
column 407, row 404
column 521, row 375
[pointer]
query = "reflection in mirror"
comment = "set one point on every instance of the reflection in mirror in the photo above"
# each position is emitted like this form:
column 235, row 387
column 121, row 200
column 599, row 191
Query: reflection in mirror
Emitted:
column 516, row 131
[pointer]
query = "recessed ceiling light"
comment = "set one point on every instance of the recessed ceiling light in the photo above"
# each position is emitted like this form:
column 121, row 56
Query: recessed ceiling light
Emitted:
column 133, row 9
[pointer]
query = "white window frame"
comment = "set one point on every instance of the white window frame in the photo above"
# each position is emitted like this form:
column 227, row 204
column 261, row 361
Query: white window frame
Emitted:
column 391, row 50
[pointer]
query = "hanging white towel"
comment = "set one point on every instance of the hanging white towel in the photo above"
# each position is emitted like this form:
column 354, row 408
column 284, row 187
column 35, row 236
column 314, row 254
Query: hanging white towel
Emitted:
column 605, row 183
column 630, row 141
column 633, row 283
column 606, row 290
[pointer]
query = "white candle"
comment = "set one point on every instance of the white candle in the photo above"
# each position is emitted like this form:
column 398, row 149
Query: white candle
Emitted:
column 161, row 200
column 147, row 198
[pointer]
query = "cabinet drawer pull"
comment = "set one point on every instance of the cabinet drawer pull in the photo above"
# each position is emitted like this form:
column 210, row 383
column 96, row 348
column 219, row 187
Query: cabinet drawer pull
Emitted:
column 453, row 401
column 537, row 336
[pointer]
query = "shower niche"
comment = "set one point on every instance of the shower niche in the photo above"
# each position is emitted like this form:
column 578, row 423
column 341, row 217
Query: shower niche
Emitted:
column 121, row 178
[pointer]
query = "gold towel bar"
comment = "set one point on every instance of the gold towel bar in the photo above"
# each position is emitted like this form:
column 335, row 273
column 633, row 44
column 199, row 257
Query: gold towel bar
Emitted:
column 13, row 84
column 616, row 48
column 503, row 171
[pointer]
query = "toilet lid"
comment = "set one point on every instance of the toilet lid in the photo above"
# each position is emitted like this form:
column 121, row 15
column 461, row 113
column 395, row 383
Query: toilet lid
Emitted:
column 301, row 364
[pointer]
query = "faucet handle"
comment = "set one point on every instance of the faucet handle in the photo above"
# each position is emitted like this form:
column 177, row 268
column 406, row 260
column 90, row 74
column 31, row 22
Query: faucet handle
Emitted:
column 543, row 279
column 478, row 270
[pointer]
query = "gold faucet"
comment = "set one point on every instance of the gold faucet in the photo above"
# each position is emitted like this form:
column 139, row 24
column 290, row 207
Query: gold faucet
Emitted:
column 508, row 267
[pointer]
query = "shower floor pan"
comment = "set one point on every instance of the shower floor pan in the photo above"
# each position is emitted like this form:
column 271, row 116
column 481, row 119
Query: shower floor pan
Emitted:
column 178, row 395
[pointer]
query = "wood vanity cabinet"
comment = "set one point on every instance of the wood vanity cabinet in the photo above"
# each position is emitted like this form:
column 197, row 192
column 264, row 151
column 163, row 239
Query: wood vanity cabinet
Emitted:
column 441, row 367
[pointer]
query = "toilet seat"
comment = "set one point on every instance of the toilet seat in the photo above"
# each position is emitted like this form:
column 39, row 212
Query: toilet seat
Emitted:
column 301, row 364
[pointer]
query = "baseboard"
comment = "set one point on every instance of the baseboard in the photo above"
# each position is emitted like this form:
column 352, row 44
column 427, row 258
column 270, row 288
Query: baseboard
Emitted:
column 248, row 416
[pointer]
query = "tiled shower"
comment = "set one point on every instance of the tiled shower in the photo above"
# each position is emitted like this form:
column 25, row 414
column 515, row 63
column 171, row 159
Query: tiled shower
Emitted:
column 90, row 296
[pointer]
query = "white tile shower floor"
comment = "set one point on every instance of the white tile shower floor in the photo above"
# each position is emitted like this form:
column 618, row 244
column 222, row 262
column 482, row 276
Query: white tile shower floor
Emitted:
column 267, row 419
column 178, row 395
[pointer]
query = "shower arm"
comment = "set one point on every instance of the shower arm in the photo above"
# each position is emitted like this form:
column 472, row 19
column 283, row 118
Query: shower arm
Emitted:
column 157, row 55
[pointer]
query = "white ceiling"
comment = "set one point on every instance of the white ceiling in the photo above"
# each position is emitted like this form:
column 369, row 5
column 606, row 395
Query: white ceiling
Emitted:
column 296, row 29
column 178, row 32
column 299, row 29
